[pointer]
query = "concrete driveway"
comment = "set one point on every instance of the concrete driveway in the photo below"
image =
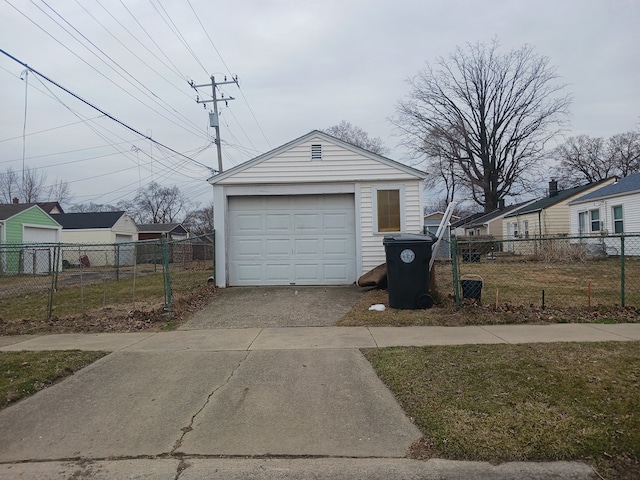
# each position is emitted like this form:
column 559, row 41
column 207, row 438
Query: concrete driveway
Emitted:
column 262, row 307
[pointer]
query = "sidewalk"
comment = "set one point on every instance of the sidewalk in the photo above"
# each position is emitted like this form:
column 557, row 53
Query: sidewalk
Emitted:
column 291, row 338
column 269, row 403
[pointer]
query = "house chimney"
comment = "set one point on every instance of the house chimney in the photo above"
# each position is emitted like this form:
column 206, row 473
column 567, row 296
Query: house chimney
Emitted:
column 501, row 204
column 16, row 200
column 553, row 187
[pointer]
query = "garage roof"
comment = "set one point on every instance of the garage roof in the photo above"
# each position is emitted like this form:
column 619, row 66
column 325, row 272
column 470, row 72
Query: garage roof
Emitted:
column 77, row 221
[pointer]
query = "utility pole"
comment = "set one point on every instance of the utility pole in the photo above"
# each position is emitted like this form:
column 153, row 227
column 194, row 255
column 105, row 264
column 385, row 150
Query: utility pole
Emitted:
column 213, row 117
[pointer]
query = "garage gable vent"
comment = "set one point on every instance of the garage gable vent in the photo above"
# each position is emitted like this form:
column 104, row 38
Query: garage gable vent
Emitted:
column 316, row 152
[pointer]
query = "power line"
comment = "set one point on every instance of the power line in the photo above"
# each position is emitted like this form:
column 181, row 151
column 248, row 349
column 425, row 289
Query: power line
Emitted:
column 228, row 71
column 152, row 96
column 99, row 109
column 49, row 130
column 176, row 31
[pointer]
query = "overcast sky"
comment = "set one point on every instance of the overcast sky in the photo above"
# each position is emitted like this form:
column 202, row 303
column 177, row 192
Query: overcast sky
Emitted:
column 302, row 65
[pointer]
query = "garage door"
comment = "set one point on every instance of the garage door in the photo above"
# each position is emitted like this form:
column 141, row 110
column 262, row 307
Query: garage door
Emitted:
column 292, row 240
column 125, row 253
column 38, row 259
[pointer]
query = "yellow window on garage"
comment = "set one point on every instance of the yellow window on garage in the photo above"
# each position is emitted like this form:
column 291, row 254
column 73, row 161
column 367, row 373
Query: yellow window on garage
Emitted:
column 388, row 210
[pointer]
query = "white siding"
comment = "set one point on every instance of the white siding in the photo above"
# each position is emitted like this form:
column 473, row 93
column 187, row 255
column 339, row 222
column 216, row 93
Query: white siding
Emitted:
column 290, row 171
column 630, row 212
column 631, row 222
column 124, row 226
column 337, row 165
column 372, row 247
column 94, row 235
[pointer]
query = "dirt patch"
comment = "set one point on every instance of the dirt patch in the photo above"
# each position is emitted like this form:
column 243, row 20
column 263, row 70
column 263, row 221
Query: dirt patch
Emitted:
column 117, row 319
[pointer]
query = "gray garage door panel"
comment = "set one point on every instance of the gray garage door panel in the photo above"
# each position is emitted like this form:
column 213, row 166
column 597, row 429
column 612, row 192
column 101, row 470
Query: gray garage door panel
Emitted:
column 292, row 240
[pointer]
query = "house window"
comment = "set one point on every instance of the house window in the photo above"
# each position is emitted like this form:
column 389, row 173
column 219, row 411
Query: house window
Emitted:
column 525, row 227
column 582, row 223
column 316, row 152
column 388, row 210
column 594, row 215
column 514, row 229
column 618, row 224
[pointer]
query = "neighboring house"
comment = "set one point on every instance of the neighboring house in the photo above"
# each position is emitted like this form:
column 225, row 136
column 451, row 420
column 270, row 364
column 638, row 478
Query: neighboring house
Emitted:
column 432, row 221
column 611, row 209
column 458, row 227
column 148, row 253
column 23, row 224
column 173, row 231
column 48, row 207
column 491, row 224
column 548, row 216
column 311, row 212
column 91, row 230
column 431, row 224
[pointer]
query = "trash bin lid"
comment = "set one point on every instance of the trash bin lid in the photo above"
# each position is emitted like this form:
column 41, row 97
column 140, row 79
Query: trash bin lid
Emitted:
column 406, row 238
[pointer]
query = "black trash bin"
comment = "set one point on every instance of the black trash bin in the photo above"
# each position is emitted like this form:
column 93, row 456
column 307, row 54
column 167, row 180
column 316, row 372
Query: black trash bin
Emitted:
column 408, row 259
column 472, row 287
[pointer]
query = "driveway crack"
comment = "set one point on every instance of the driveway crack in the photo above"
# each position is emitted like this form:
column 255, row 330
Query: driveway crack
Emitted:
column 255, row 338
column 373, row 337
column 189, row 427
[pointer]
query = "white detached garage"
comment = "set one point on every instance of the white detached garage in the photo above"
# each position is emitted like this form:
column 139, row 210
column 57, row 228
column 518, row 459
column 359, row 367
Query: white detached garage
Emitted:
column 311, row 212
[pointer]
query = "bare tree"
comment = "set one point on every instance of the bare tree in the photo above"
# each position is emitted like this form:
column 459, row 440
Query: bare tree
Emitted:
column 582, row 160
column 157, row 204
column 32, row 185
column 585, row 159
column 623, row 150
column 31, row 188
column 200, row 221
column 59, row 192
column 92, row 207
column 8, row 185
column 490, row 113
column 354, row 135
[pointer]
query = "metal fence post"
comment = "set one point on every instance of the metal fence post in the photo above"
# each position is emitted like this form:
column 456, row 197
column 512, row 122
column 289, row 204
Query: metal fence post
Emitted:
column 622, row 299
column 54, row 279
column 454, row 266
column 117, row 262
column 166, row 274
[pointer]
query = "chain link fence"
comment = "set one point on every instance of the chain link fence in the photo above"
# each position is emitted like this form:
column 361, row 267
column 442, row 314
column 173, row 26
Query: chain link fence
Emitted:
column 556, row 271
column 46, row 280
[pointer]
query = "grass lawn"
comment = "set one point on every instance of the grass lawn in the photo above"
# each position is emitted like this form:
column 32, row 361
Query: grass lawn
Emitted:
column 106, row 306
column 538, row 402
column 69, row 300
column 25, row 373
column 565, row 283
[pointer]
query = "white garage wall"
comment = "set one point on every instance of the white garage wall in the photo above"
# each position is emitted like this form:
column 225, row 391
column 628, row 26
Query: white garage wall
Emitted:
column 343, row 168
column 371, row 242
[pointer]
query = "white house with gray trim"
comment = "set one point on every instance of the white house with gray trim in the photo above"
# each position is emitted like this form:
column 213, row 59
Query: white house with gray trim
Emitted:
column 611, row 210
column 311, row 212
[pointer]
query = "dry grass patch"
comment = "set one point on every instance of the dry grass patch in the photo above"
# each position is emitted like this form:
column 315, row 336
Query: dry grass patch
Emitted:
column 26, row 315
column 538, row 402
column 566, row 284
column 25, row 373
column 445, row 314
